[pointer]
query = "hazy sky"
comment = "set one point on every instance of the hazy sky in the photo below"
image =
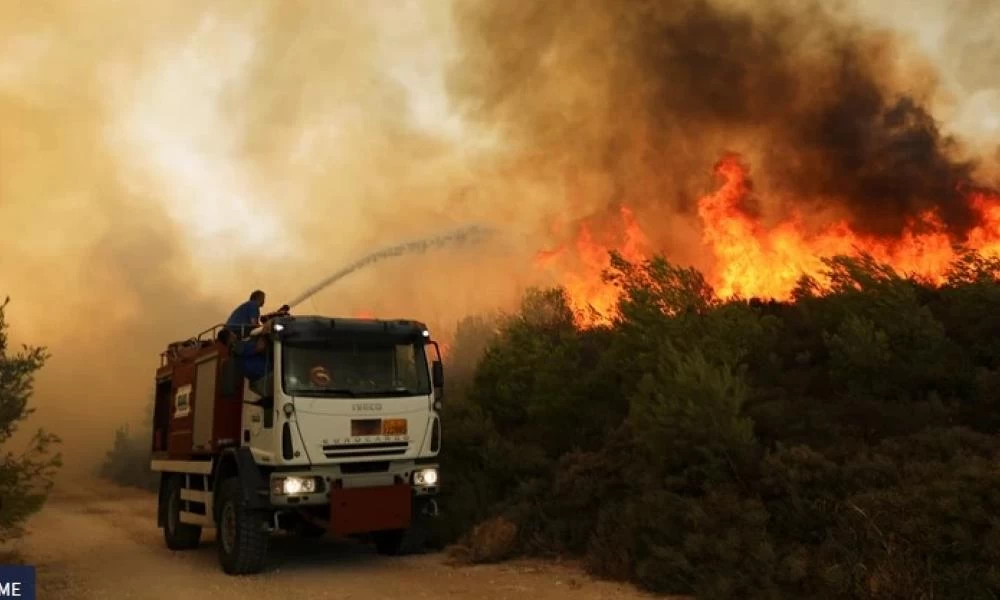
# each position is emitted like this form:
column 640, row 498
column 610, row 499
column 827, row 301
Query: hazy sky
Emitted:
column 158, row 163
column 960, row 38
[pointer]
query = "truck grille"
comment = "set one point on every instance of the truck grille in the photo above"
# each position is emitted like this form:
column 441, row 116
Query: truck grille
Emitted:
column 373, row 449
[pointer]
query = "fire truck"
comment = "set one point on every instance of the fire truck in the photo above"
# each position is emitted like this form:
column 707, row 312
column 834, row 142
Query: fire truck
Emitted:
column 340, row 435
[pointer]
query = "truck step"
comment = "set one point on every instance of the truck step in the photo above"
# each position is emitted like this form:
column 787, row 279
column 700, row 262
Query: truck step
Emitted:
column 196, row 467
column 196, row 496
column 196, row 519
column 199, row 496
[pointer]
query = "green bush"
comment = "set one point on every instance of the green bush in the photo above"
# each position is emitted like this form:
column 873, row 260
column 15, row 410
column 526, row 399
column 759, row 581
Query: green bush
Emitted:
column 128, row 461
column 839, row 446
column 26, row 476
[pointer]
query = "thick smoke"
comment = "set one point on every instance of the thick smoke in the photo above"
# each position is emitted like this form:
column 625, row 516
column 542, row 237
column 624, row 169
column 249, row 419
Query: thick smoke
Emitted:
column 158, row 162
column 832, row 114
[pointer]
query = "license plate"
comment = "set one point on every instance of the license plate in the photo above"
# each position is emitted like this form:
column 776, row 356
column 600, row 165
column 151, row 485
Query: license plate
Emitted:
column 363, row 427
column 394, row 427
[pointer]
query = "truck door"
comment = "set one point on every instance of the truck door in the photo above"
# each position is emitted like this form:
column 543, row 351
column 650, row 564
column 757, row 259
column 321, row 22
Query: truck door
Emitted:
column 258, row 426
column 258, row 416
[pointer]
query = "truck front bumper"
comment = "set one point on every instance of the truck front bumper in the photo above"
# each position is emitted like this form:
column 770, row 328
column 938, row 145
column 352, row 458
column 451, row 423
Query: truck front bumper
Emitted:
column 315, row 487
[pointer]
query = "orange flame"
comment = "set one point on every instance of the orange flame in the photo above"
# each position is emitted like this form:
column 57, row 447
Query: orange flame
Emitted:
column 756, row 261
column 591, row 298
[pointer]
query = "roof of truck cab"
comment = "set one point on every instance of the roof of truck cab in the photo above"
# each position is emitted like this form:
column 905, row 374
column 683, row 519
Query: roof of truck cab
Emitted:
column 315, row 324
column 346, row 320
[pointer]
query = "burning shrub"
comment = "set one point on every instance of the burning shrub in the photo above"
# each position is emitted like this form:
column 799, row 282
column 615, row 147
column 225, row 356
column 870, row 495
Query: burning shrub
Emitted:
column 838, row 446
column 526, row 407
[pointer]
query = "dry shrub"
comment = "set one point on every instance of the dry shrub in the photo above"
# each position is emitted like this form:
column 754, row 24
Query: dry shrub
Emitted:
column 492, row 540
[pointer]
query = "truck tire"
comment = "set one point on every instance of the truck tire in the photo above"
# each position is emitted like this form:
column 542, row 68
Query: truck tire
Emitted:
column 242, row 539
column 177, row 535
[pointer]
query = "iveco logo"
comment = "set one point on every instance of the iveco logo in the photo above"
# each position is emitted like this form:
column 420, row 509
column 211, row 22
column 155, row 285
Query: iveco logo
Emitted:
column 366, row 406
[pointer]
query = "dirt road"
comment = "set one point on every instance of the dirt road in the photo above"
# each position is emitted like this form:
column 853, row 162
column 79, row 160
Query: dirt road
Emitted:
column 98, row 541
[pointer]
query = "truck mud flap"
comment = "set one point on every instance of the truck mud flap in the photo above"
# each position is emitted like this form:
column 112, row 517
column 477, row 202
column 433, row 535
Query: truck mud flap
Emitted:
column 369, row 509
column 254, row 484
column 252, row 481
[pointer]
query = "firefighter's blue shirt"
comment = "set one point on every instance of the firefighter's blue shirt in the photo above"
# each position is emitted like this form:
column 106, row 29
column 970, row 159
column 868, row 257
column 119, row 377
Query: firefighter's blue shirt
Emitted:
column 254, row 366
column 245, row 314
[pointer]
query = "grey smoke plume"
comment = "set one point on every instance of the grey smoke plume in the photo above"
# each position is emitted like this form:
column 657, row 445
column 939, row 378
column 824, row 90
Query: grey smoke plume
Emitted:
column 833, row 113
column 471, row 233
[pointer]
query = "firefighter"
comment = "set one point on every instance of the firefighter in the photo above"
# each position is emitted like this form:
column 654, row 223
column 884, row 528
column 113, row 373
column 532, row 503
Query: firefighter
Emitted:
column 250, row 354
column 254, row 359
column 247, row 315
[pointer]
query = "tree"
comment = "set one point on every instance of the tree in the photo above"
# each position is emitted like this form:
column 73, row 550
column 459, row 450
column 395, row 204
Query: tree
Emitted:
column 25, row 478
column 127, row 462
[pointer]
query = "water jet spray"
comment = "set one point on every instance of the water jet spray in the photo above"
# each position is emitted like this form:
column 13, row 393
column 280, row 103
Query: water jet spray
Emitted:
column 467, row 234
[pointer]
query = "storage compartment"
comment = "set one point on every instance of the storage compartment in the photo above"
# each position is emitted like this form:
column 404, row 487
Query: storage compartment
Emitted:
column 161, row 414
column 198, row 407
column 181, row 402
column 204, row 406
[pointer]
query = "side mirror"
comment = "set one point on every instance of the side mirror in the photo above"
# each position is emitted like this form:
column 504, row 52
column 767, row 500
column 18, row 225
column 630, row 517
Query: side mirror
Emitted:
column 437, row 373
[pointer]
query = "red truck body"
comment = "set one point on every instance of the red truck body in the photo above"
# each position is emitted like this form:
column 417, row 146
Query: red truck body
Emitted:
column 208, row 418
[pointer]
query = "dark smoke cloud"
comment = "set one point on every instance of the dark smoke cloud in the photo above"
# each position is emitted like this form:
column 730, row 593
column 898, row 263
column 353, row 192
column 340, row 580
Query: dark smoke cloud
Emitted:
column 830, row 113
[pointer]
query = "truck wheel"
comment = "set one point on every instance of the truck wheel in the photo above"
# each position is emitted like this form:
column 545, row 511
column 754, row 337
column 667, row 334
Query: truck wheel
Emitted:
column 177, row 535
column 242, row 538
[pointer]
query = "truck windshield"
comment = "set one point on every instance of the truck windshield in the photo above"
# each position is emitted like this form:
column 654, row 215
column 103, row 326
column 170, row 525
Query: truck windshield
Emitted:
column 352, row 369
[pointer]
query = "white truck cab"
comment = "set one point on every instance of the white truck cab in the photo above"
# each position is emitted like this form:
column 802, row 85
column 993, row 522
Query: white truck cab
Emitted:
column 341, row 434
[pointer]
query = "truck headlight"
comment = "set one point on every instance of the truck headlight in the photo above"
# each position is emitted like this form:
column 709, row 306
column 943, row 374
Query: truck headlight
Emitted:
column 290, row 486
column 425, row 477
